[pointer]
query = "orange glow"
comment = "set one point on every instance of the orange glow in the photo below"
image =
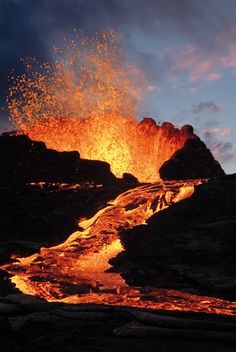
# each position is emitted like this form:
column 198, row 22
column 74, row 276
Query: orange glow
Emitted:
column 87, row 100
column 76, row 270
column 139, row 148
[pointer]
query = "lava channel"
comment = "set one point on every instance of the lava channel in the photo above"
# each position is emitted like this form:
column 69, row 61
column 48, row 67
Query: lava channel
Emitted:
column 76, row 271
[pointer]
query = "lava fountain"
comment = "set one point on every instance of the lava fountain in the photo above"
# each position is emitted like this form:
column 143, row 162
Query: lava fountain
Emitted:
column 87, row 99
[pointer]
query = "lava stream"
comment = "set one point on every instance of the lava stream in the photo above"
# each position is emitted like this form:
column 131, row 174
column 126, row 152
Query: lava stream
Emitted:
column 76, row 270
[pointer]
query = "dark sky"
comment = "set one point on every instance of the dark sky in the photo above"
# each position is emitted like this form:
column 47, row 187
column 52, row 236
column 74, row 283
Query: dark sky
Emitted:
column 186, row 47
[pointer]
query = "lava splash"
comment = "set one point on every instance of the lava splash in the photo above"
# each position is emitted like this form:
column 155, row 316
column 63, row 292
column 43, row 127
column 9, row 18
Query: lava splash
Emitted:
column 87, row 99
column 78, row 270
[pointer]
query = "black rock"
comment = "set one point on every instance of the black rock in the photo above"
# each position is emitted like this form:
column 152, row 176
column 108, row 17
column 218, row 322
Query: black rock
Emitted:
column 194, row 160
column 190, row 245
column 24, row 248
column 43, row 194
column 23, row 160
column 129, row 178
column 5, row 328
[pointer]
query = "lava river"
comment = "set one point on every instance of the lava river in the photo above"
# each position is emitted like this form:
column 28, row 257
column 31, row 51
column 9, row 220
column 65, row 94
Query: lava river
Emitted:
column 76, row 270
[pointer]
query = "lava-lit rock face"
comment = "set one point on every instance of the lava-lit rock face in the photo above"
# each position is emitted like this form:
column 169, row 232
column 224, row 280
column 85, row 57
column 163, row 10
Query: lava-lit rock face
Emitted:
column 193, row 160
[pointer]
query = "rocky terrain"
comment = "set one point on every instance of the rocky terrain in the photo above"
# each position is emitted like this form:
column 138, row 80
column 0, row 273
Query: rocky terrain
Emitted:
column 190, row 246
column 25, row 161
column 194, row 160
column 44, row 193
column 32, row 324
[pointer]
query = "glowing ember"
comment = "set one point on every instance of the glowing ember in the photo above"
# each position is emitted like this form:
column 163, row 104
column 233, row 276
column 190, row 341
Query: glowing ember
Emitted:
column 87, row 100
column 76, row 270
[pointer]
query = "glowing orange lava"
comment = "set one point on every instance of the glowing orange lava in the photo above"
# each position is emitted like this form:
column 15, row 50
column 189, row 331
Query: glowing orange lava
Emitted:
column 87, row 99
column 76, row 270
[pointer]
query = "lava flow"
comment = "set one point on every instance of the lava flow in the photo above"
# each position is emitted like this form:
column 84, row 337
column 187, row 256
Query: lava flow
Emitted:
column 76, row 270
column 87, row 100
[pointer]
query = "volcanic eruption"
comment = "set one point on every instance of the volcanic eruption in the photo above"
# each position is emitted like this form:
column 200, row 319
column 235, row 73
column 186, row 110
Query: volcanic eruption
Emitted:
column 86, row 101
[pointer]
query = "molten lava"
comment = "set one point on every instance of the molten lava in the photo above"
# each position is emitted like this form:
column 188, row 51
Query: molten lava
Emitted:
column 76, row 270
column 128, row 146
column 87, row 100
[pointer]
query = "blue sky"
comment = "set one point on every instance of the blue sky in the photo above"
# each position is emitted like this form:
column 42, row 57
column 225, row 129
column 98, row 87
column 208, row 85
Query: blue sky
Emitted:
column 187, row 49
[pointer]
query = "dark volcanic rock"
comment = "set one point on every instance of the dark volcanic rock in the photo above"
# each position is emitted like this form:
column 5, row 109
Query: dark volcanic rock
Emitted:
column 190, row 245
column 81, row 327
column 17, row 247
column 129, row 178
column 43, row 194
column 24, row 160
column 6, row 286
column 33, row 216
column 194, row 160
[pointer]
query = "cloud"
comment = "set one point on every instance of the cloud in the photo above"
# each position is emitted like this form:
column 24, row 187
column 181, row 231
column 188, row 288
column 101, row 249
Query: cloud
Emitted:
column 193, row 90
column 199, row 63
column 222, row 151
column 151, row 88
column 205, row 105
column 186, row 40
column 30, row 27
column 222, row 132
